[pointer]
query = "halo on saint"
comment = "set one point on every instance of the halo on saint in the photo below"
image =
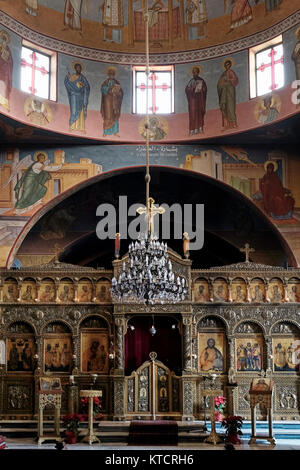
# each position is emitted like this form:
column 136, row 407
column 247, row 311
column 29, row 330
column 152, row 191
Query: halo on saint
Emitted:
column 272, row 162
column 113, row 68
column 297, row 33
column 78, row 62
column 44, row 154
column 4, row 35
column 196, row 66
column 228, row 59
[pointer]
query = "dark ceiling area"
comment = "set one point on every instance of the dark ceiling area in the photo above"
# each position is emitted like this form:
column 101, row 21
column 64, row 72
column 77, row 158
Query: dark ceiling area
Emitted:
column 230, row 219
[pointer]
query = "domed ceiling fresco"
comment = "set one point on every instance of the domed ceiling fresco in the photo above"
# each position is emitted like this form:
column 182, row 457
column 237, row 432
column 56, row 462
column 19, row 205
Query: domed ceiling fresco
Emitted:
column 178, row 25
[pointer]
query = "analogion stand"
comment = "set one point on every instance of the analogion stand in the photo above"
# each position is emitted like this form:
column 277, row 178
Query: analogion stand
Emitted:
column 213, row 438
column 263, row 398
column 90, row 394
column 53, row 399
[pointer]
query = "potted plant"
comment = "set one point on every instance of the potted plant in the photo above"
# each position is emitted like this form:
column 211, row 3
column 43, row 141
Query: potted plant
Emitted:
column 220, row 403
column 71, row 423
column 232, row 425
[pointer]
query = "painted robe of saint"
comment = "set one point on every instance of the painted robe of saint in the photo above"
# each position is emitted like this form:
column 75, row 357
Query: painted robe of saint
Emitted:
column 211, row 358
column 277, row 200
column 196, row 19
column 296, row 55
column 112, row 20
column 31, row 7
column 72, row 14
column 196, row 92
column 111, row 102
column 6, row 70
column 78, row 90
column 30, row 188
column 227, row 99
column 241, row 13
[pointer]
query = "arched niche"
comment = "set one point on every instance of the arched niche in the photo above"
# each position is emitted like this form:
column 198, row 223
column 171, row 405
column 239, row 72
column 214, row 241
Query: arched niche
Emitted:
column 250, row 349
column 257, row 290
column 201, row 290
column 103, row 286
column 28, row 290
column 275, row 290
column 94, row 345
column 286, row 347
column 10, row 290
column 293, row 290
column 220, row 290
column 85, row 290
column 47, row 290
column 57, row 348
column 211, row 345
column 238, row 290
column 166, row 342
column 20, row 347
column 66, row 290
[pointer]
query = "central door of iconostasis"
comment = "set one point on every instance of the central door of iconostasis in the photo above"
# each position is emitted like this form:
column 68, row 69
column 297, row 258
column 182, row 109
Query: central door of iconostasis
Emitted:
column 153, row 367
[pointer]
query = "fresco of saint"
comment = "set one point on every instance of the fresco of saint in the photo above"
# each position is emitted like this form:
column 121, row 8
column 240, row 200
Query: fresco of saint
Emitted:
column 78, row 90
column 111, row 102
column 6, row 70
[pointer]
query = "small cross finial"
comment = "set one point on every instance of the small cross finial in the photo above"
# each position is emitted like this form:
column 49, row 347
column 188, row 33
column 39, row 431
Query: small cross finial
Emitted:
column 247, row 250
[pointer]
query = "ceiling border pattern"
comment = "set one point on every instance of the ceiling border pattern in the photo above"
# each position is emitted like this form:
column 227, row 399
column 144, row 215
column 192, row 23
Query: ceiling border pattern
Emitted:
column 136, row 59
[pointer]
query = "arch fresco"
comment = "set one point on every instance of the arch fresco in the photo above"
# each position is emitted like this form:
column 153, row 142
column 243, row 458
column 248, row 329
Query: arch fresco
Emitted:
column 88, row 186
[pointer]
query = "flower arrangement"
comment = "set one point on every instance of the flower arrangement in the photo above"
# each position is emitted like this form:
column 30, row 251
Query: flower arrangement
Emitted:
column 2, row 442
column 71, row 422
column 220, row 403
column 97, row 407
column 232, row 425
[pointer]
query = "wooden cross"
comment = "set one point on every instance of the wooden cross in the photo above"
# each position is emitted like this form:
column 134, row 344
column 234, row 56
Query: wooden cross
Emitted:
column 150, row 212
column 247, row 250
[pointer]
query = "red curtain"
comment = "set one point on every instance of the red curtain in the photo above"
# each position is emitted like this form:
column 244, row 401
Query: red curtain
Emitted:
column 166, row 343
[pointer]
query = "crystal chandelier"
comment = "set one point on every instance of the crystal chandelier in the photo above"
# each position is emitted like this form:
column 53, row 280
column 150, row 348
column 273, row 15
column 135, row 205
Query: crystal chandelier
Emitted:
column 148, row 277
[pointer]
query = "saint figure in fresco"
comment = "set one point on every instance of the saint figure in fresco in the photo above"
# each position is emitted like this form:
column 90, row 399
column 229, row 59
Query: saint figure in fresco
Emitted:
column 211, row 358
column 30, row 188
column 258, row 295
column 196, row 92
column 241, row 13
column 278, row 201
column 296, row 54
column 111, row 102
column 48, row 294
column 112, row 20
column 196, row 19
column 6, row 69
column 78, row 90
column 268, row 112
column 72, row 14
column 28, row 295
column 31, row 7
column 227, row 99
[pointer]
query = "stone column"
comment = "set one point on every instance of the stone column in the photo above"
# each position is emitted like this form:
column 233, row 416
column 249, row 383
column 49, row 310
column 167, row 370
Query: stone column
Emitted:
column 56, row 286
column 248, row 290
column 229, row 285
column 285, row 297
column 188, row 397
column 211, row 289
column 38, row 287
column 75, row 284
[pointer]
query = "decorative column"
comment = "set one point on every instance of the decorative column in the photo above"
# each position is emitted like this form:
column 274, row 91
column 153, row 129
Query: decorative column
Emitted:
column 229, row 289
column 38, row 287
column 38, row 372
column 187, row 343
column 231, row 386
column 75, row 284
column 266, row 281
column 56, row 282
column 211, row 289
column 119, row 378
column 285, row 291
column 247, row 290
column 268, row 340
column 19, row 281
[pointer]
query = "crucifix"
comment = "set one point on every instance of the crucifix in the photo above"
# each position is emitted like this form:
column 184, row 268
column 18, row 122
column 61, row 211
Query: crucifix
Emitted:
column 247, row 250
column 151, row 210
